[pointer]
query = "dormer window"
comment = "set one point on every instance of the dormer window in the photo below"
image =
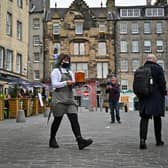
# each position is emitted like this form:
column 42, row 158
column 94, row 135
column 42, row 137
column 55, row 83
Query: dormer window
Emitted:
column 78, row 28
column 56, row 28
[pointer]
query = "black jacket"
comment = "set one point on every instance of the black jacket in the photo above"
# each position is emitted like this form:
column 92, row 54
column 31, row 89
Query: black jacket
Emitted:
column 154, row 104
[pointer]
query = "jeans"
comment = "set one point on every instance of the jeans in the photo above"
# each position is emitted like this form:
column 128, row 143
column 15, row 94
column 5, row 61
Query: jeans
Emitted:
column 114, row 105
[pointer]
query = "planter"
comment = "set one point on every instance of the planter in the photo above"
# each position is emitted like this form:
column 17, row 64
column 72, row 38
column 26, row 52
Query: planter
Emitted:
column 1, row 109
column 35, row 106
column 26, row 106
column 13, row 107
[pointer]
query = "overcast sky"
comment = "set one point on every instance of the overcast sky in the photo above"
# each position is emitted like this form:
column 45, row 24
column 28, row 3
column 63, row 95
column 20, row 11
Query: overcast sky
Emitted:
column 96, row 3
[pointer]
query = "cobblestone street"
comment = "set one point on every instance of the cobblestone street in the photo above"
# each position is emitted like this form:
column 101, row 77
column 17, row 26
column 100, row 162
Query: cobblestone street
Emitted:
column 25, row 145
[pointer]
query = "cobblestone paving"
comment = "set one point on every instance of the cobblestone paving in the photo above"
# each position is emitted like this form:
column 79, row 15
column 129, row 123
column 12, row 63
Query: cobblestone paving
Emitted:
column 25, row 145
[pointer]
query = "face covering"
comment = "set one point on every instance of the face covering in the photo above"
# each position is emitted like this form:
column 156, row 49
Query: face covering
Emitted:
column 65, row 65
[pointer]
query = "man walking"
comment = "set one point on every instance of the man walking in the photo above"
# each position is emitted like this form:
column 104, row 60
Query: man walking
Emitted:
column 152, row 105
column 113, row 89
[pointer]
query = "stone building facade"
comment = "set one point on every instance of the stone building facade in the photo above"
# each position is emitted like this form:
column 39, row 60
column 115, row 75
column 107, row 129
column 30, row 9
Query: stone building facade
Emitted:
column 14, row 19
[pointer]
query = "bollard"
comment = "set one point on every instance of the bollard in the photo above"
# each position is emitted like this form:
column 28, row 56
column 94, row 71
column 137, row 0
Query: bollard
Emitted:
column 21, row 116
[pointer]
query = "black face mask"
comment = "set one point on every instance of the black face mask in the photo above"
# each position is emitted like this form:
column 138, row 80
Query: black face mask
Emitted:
column 65, row 65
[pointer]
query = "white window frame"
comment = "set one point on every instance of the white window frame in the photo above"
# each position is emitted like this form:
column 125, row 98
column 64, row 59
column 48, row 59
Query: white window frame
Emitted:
column 124, row 65
column 18, row 63
column 123, row 28
column 2, row 56
column 130, row 12
column 135, row 46
column 157, row 12
column 102, row 70
column 36, row 75
column 147, row 28
column 135, row 64
column 159, row 28
column 19, row 30
column 79, row 49
column 9, row 60
column 20, row 3
column 102, row 28
column 124, row 84
column 9, row 24
column 36, row 57
column 36, row 40
column 135, row 28
column 159, row 45
column 36, row 23
column 56, row 28
column 147, row 46
column 102, row 49
column 78, row 28
column 123, row 46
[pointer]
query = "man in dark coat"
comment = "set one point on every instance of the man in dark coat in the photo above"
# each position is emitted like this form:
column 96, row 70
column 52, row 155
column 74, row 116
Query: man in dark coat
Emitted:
column 154, row 104
column 113, row 89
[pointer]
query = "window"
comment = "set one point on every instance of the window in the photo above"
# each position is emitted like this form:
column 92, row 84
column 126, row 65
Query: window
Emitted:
column 102, row 27
column 124, row 84
column 9, row 24
column 20, row 3
column 147, row 28
column 8, row 60
column 2, row 55
column 56, row 28
column 36, row 40
column 124, row 65
column 56, row 50
column 159, row 45
column 19, row 30
column 80, row 67
column 79, row 49
column 102, row 70
column 135, row 28
column 161, row 63
column 130, row 12
column 102, row 49
column 36, row 75
column 135, row 65
column 123, row 28
column 123, row 46
column 18, row 63
column 159, row 28
column 135, row 46
column 78, row 28
column 147, row 46
column 37, row 57
column 36, row 23
column 154, row 12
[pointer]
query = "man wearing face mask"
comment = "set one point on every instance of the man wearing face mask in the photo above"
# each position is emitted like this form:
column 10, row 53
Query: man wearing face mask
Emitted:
column 63, row 102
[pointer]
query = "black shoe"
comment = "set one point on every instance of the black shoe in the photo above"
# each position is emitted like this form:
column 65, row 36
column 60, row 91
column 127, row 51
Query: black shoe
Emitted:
column 82, row 143
column 159, row 143
column 142, row 144
column 119, row 122
column 53, row 143
column 112, row 122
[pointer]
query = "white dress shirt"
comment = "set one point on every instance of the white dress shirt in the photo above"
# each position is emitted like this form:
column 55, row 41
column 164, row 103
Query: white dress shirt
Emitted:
column 56, row 78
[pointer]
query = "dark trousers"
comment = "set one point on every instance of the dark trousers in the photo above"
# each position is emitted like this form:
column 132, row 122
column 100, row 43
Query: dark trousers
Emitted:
column 114, row 106
column 144, row 127
column 73, row 118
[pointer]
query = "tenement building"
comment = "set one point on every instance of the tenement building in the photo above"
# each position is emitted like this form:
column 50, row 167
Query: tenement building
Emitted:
column 14, row 17
column 87, row 35
column 140, row 30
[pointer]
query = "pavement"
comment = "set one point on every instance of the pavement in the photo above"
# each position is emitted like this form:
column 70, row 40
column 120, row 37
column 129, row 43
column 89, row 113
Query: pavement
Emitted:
column 25, row 145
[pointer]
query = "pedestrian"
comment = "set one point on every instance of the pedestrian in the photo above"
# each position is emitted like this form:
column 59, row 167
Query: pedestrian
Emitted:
column 153, row 105
column 63, row 102
column 113, row 89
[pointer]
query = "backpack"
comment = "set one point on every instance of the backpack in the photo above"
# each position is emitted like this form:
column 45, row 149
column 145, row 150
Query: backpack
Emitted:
column 143, row 82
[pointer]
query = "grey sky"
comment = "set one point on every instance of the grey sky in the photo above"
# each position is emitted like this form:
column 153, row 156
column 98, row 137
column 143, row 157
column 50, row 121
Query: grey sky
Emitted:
column 96, row 3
